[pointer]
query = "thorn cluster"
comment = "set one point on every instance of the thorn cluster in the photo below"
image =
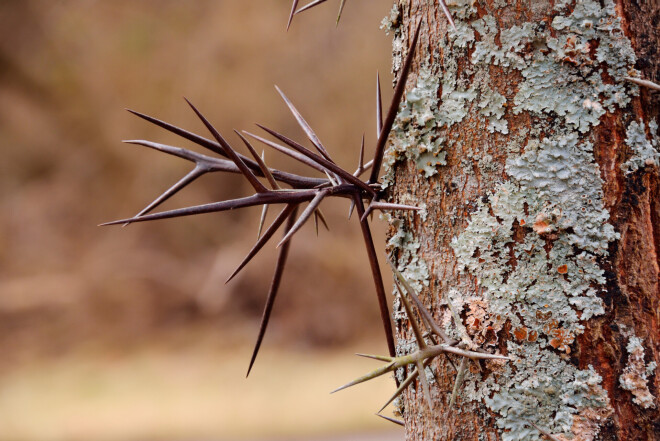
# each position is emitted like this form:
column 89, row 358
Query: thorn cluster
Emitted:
column 287, row 189
column 425, row 353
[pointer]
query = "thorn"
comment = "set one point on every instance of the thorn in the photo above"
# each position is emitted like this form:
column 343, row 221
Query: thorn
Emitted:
column 260, row 161
column 391, row 420
column 310, row 5
column 404, row 384
column 331, row 166
column 379, row 107
column 383, row 206
column 371, row 375
column 425, row 384
column 292, row 153
column 447, row 14
column 183, row 182
column 459, row 380
column 304, row 216
column 377, row 276
column 394, row 108
column 351, row 208
column 322, row 218
column 293, row 11
column 270, row 231
column 272, row 292
column 420, row 306
column 280, row 197
column 264, row 212
column 316, row 223
column 258, row 186
column 376, row 357
column 306, row 127
column 411, row 318
column 643, row 83
column 341, row 8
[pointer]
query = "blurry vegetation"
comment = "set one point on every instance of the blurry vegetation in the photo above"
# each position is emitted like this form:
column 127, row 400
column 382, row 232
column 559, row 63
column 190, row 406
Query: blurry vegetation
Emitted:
column 67, row 70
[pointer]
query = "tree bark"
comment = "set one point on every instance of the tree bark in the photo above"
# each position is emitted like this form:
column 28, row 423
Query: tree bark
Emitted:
column 536, row 164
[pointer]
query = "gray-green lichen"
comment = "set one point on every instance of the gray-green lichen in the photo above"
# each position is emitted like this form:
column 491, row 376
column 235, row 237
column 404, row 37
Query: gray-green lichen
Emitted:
column 635, row 375
column 536, row 243
column 644, row 151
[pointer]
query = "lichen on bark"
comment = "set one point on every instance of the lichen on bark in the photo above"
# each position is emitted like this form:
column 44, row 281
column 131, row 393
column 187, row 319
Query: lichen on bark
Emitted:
column 527, row 270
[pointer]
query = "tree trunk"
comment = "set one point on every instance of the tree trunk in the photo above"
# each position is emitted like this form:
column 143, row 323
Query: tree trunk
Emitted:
column 536, row 163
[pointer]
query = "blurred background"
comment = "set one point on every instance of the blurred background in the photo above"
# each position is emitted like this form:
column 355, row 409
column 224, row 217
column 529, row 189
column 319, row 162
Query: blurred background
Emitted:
column 130, row 333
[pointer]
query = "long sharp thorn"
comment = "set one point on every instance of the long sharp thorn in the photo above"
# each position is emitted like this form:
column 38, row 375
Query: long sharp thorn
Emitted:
column 207, row 143
column 471, row 354
column 306, row 127
column 187, row 179
column 281, row 217
column 260, row 161
column 264, row 213
column 377, row 276
column 411, row 318
column 272, row 292
column 341, row 9
column 331, row 166
column 361, row 165
column 425, row 383
column 258, row 186
column 257, row 199
column 322, row 218
column 447, row 13
column 376, row 357
column 383, row 206
column 289, row 178
column 179, row 152
column 371, row 375
column 303, row 217
column 316, row 223
column 394, row 108
column 293, row 11
column 351, row 208
column 379, row 107
column 420, row 306
column 459, row 380
column 292, row 153
column 643, row 83
column 310, row 5
column 404, row 384
column 392, row 420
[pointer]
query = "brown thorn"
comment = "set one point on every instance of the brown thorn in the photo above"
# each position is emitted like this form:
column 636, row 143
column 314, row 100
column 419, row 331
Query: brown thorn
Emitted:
column 264, row 213
column 411, row 318
column 258, row 186
column 643, row 83
column 369, row 376
column 341, row 8
column 304, row 216
column 377, row 276
column 394, row 108
column 379, row 107
column 272, row 292
column 260, row 161
column 292, row 13
column 292, row 153
column 331, row 166
column 447, row 14
column 306, row 127
column 310, row 5
column 459, row 380
column 425, row 384
column 391, row 420
column 281, row 217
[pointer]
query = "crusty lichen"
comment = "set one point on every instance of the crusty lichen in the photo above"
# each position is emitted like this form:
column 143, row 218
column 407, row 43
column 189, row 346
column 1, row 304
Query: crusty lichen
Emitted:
column 644, row 151
column 536, row 243
column 635, row 376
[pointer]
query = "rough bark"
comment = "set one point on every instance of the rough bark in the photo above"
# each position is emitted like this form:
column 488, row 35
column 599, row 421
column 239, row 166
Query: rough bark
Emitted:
column 537, row 165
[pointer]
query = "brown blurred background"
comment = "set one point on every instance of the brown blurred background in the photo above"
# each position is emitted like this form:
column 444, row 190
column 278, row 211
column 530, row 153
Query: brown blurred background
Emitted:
column 130, row 333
